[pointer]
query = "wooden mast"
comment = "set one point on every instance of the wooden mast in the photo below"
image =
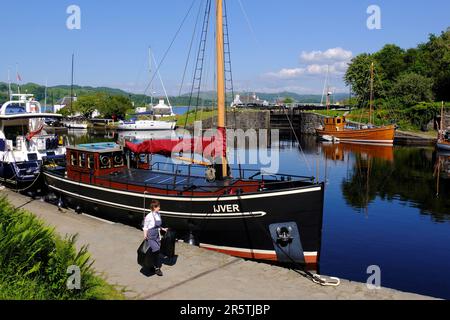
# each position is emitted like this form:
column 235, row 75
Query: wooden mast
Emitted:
column 371, row 92
column 221, row 84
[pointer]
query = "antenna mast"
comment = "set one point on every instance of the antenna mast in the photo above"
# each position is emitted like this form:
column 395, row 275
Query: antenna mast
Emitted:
column 9, row 85
column 71, row 86
column 150, row 72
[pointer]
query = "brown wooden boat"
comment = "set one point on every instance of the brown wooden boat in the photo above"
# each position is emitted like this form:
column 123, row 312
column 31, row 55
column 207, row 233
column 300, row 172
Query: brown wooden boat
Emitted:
column 336, row 127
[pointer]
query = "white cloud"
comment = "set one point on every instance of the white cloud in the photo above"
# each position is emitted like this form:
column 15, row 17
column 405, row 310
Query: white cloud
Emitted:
column 330, row 55
column 289, row 88
column 288, row 73
column 317, row 63
column 337, row 68
column 318, row 69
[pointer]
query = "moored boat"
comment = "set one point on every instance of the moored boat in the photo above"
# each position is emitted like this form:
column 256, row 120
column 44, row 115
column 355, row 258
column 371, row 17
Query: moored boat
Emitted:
column 256, row 217
column 366, row 134
column 336, row 127
column 245, row 213
column 75, row 123
column 135, row 125
column 162, row 110
column 24, row 142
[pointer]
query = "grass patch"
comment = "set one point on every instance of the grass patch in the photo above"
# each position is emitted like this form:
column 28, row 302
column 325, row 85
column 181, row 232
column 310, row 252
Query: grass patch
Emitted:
column 192, row 116
column 34, row 261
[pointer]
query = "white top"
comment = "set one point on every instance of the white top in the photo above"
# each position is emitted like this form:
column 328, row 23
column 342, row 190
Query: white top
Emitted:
column 150, row 220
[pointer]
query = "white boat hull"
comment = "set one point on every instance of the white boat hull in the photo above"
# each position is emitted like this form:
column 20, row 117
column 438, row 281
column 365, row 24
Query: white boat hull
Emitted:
column 147, row 125
column 77, row 126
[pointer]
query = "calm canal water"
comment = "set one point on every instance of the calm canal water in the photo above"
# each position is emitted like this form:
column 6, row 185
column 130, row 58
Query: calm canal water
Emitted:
column 381, row 208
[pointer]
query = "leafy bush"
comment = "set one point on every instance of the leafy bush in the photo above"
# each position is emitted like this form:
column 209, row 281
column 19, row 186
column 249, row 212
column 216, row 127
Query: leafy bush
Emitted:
column 34, row 261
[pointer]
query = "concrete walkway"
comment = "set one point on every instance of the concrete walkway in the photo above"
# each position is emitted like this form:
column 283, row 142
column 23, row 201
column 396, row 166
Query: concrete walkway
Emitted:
column 198, row 274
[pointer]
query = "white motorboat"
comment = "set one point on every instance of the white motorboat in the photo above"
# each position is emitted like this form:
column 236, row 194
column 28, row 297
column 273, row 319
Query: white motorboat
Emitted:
column 76, row 124
column 147, row 135
column 24, row 142
column 162, row 110
column 136, row 125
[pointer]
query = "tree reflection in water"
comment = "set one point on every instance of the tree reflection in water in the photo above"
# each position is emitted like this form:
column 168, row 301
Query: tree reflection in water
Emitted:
column 419, row 177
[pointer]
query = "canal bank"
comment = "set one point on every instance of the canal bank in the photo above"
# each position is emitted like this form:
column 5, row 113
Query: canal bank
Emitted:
column 197, row 274
column 304, row 123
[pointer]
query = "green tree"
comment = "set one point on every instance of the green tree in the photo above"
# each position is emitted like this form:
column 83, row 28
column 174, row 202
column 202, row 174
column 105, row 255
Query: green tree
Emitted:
column 116, row 106
column 288, row 100
column 358, row 77
column 435, row 57
column 391, row 61
column 86, row 105
column 412, row 88
column 3, row 97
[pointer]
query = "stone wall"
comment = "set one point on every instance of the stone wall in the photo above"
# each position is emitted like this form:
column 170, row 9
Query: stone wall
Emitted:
column 242, row 120
column 310, row 122
column 304, row 122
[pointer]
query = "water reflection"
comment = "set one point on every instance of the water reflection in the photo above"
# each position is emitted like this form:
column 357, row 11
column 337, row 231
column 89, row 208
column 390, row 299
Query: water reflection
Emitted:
column 417, row 176
column 396, row 187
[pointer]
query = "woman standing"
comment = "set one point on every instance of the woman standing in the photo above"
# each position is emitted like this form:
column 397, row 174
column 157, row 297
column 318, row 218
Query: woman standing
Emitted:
column 152, row 224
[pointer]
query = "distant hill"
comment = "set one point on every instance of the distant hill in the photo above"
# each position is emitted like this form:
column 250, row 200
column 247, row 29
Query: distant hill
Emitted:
column 273, row 97
column 58, row 92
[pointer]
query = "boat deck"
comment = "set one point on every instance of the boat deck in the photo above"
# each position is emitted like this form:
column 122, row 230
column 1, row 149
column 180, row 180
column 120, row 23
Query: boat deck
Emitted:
column 165, row 180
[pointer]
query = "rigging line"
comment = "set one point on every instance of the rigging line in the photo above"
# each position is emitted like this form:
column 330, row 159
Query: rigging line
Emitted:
column 200, row 61
column 363, row 101
column 202, row 52
column 228, row 53
column 391, row 112
column 325, row 86
column 162, row 83
column 298, row 142
column 138, row 78
column 252, row 31
column 190, row 47
column 171, row 44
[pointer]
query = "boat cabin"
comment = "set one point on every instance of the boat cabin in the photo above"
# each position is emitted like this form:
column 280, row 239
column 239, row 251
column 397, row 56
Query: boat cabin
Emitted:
column 21, row 127
column 334, row 124
column 94, row 159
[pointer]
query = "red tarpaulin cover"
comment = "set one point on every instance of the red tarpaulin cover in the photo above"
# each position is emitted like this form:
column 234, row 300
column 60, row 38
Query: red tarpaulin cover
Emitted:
column 209, row 147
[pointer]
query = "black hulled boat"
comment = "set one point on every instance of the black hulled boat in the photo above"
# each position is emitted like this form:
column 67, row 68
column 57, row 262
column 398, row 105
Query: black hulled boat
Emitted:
column 276, row 217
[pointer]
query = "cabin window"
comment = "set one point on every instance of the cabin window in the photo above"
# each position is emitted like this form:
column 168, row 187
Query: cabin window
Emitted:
column 118, row 160
column 12, row 132
column 91, row 161
column 105, row 161
column 338, row 120
column 82, row 161
column 73, row 159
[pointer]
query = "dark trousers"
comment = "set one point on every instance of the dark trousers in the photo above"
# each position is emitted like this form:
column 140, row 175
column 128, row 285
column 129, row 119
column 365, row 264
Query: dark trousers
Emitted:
column 156, row 259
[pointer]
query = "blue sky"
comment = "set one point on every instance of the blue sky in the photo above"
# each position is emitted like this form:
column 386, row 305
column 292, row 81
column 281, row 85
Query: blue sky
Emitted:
column 276, row 45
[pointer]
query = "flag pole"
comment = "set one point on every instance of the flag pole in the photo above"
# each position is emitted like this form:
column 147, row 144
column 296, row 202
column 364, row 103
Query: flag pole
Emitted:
column 9, row 84
column 45, row 100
